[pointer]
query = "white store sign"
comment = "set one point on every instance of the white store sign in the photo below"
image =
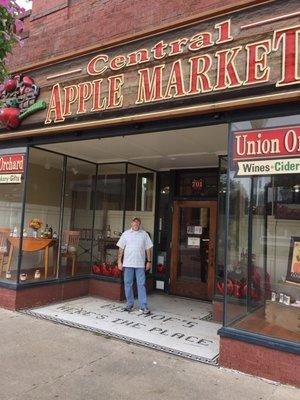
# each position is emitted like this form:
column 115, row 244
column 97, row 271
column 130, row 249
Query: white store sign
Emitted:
column 268, row 167
column 10, row 178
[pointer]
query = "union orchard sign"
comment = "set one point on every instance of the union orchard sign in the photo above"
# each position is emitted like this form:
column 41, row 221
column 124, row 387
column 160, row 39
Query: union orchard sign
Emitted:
column 12, row 163
column 11, row 168
column 267, row 152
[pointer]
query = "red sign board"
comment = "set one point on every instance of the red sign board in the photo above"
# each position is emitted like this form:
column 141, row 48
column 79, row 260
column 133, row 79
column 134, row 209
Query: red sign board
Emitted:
column 267, row 143
column 267, row 151
column 11, row 163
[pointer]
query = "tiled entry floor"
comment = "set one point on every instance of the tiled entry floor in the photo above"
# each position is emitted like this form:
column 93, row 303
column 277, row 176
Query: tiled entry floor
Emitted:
column 176, row 325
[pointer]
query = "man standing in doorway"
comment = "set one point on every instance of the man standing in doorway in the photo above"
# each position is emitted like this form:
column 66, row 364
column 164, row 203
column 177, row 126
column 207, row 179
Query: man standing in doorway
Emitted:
column 134, row 244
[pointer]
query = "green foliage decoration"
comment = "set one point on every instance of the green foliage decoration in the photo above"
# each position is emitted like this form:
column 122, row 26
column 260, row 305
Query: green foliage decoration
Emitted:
column 11, row 27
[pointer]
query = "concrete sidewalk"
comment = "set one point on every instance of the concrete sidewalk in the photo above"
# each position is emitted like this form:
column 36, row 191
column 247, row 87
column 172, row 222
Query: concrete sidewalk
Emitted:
column 42, row 360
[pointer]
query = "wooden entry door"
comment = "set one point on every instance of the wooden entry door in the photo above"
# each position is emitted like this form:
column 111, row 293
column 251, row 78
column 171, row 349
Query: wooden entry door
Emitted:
column 193, row 249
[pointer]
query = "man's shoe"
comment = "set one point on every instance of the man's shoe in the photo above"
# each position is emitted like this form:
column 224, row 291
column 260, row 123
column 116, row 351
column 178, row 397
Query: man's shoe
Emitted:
column 145, row 311
column 128, row 308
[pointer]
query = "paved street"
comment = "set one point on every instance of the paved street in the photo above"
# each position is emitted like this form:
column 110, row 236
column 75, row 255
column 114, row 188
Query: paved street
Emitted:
column 43, row 360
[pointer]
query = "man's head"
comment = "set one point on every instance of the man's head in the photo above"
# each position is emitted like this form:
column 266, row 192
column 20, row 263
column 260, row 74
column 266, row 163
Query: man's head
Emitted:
column 135, row 223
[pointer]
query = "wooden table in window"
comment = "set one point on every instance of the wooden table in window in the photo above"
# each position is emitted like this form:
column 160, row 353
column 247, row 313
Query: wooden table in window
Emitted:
column 105, row 244
column 31, row 244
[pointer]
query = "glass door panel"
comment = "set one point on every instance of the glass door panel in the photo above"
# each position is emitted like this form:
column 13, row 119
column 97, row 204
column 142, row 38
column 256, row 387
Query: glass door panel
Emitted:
column 193, row 243
column 193, row 249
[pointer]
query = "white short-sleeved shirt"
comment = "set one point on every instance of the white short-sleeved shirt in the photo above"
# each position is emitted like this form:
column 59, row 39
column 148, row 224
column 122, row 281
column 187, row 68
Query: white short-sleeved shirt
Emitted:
column 134, row 243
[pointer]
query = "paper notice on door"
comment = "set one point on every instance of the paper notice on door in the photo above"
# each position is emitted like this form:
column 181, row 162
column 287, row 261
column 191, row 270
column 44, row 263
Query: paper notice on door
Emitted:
column 194, row 230
column 193, row 242
column 189, row 229
column 198, row 230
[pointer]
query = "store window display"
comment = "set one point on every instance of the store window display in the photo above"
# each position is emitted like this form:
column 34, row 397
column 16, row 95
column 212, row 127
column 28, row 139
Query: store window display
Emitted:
column 122, row 191
column 262, row 280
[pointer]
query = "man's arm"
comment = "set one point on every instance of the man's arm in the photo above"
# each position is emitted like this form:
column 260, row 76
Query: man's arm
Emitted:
column 149, row 259
column 120, row 255
column 121, row 244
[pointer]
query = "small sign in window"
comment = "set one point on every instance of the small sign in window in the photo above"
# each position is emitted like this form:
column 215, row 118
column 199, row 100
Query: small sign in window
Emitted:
column 193, row 242
column 194, row 230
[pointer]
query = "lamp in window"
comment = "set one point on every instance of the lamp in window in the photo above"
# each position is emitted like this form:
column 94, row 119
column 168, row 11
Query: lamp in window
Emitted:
column 296, row 188
column 165, row 190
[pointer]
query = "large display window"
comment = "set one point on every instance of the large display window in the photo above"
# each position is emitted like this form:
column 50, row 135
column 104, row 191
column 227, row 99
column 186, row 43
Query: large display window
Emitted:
column 221, row 230
column 163, row 216
column 123, row 191
column 263, row 228
column 61, row 216
column 109, row 218
column 42, row 215
column 77, row 218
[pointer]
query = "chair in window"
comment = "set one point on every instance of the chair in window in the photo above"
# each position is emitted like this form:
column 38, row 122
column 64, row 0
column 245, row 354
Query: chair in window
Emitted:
column 4, row 234
column 70, row 241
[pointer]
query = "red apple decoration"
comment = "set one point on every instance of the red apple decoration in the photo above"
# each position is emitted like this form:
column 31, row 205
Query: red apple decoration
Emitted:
column 221, row 287
column 254, row 294
column 237, row 290
column 160, row 268
column 117, row 272
column 28, row 81
column 10, row 85
column 27, row 89
column 9, row 116
column 96, row 269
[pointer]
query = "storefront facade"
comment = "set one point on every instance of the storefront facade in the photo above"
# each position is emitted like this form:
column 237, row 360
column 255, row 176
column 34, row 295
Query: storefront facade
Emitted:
column 193, row 127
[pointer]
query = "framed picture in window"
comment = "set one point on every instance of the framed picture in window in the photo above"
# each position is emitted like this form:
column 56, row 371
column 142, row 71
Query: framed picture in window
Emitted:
column 293, row 270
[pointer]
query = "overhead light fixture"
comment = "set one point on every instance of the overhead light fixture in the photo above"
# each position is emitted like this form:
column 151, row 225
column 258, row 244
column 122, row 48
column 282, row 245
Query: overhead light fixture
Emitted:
column 296, row 188
column 165, row 190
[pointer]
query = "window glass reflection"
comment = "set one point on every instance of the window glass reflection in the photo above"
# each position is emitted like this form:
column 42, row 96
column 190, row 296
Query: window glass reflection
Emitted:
column 264, row 248
column 109, row 218
column 42, row 216
column 77, row 234
column 163, row 225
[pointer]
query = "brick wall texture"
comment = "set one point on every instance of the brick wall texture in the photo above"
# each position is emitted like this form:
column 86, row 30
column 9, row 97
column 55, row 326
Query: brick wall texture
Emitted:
column 58, row 27
column 260, row 361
